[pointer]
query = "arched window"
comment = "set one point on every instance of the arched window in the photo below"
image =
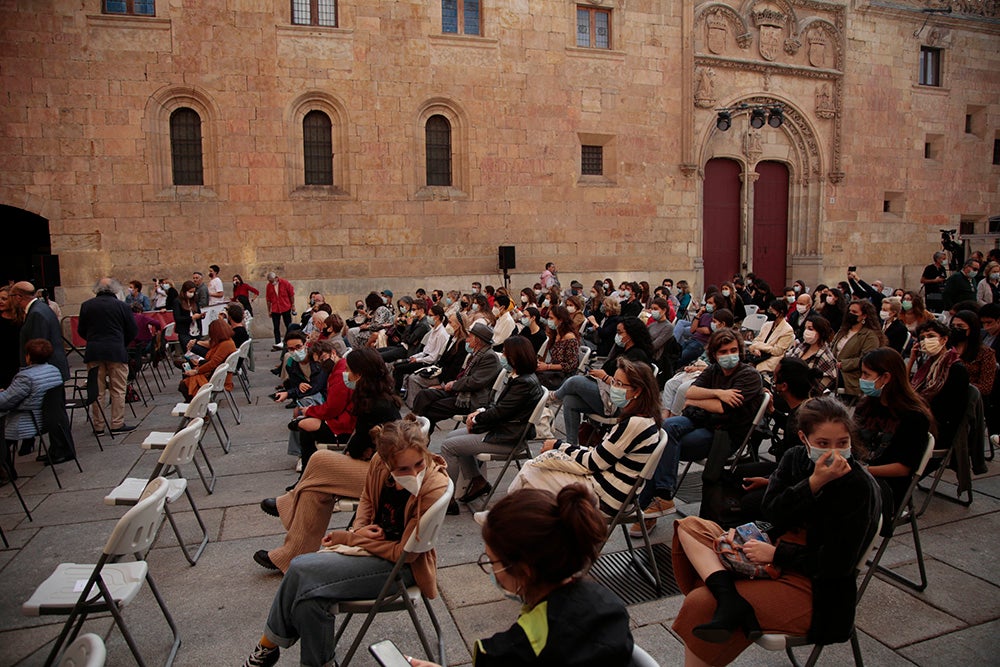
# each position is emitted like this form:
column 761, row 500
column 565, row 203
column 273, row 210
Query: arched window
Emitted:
column 185, row 147
column 317, row 148
column 438, row 142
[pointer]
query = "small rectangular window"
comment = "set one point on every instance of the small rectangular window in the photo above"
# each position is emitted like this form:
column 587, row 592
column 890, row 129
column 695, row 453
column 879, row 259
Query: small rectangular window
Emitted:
column 592, row 160
column 315, row 12
column 461, row 16
column 129, row 7
column 930, row 66
column 886, row 205
column 996, row 151
column 593, row 27
column 968, row 123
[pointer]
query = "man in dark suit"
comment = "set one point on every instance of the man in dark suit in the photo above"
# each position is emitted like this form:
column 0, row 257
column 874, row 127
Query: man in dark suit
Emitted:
column 39, row 322
column 108, row 327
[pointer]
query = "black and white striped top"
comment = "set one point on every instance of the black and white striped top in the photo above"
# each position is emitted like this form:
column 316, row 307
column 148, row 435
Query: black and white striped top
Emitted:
column 615, row 464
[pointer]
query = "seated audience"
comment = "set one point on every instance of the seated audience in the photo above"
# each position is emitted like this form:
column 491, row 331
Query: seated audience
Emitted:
column 773, row 339
column 988, row 290
column 964, row 336
column 701, row 330
column 431, row 348
column 135, row 296
column 833, row 307
column 148, row 328
column 675, row 389
column 409, row 335
column 404, row 480
column 822, row 536
column 497, row 428
column 815, row 349
column 605, row 325
column 533, row 328
column 220, row 346
column 913, row 313
column 859, row 334
column 449, row 365
column 380, row 317
column 320, row 359
column 25, row 395
column 797, row 317
column 941, row 379
column 563, row 350
column 505, row 324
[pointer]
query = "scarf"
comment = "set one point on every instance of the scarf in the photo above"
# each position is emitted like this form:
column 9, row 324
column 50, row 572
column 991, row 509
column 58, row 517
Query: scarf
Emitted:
column 931, row 376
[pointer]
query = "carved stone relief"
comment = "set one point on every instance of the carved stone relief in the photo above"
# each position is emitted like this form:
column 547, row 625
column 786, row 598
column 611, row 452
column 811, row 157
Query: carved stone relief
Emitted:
column 825, row 107
column 704, row 94
column 717, row 33
column 770, row 24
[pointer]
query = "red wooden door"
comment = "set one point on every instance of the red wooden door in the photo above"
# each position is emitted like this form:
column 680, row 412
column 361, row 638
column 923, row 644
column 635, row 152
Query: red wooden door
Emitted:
column 770, row 224
column 721, row 220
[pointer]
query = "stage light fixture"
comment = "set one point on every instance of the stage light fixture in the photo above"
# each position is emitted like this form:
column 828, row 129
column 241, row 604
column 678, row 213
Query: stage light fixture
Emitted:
column 724, row 121
column 757, row 119
column 776, row 117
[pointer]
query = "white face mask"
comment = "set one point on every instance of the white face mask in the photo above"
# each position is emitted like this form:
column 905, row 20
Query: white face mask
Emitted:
column 725, row 293
column 571, row 309
column 411, row 482
column 496, row 311
column 810, row 336
column 830, row 301
column 802, row 309
column 885, row 314
column 450, row 329
column 524, row 299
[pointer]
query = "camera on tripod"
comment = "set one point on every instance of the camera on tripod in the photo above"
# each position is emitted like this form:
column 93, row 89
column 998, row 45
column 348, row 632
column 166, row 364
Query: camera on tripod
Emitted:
column 953, row 247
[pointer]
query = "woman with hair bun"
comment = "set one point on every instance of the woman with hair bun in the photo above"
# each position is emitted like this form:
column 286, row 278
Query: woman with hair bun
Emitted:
column 538, row 546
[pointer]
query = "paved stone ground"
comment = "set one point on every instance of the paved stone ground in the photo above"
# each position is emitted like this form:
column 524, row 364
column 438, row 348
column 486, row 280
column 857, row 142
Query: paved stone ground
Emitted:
column 220, row 605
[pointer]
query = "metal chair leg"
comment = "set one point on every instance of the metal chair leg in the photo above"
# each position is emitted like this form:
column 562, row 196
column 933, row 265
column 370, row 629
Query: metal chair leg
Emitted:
column 191, row 558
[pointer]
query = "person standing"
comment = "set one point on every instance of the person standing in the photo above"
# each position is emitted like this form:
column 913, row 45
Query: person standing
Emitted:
column 216, row 292
column 549, row 278
column 961, row 285
column 108, row 327
column 933, row 279
column 280, row 296
column 245, row 293
column 200, row 289
column 39, row 322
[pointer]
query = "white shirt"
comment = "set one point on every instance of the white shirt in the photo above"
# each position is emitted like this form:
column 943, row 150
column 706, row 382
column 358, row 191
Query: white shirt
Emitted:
column 215, row 287
column 503, row 328
column 434, row 343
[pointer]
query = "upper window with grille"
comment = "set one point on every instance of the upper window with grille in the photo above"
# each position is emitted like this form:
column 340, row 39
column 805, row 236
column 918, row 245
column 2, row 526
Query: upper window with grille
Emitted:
column 592, row 160
column 461, row 17
column 317, row 148
column 930, row 66
column 315, row 12
column 437, row 134
column 593, row 27
column 129, row 7
column 185, row 147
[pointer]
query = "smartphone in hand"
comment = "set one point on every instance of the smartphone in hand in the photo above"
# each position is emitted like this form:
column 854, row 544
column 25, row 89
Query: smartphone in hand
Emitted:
column 387, row 654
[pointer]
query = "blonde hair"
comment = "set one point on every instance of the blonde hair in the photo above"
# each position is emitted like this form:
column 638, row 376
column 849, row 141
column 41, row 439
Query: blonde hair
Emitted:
column 612, row 306
column 394, row 437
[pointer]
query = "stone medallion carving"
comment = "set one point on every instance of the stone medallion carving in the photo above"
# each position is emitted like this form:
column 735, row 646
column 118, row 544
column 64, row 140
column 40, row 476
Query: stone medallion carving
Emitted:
column 704, row 94
column 770, row 25
column 817, row 49
column 752, row 148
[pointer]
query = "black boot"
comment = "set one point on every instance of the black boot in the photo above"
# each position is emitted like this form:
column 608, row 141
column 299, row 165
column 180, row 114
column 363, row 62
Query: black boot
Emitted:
column 732, row 612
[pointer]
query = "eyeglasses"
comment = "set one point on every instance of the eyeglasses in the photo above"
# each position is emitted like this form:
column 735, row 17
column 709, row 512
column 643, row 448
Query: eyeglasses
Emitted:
column 615, row 382
column 486, row 565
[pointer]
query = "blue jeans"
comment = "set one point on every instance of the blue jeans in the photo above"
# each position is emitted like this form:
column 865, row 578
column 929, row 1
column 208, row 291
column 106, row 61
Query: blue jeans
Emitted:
column 579, row 394
column 684, row 441
column 682, row 329
column 306, row 602
column 690, row 351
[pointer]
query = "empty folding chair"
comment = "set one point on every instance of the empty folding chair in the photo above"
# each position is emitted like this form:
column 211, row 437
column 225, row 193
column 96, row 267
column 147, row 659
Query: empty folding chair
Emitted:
column 218, row 382
column 520, row 451
column 751, row 309
column 395, row 594
column 904, row 514
column 108, row 585
column 780, row 642
column 196, row 409
column 87, row 651
column 241, row 368
column 754, row 323
column 630, row 512
column 179, row 451
column 232, row 361
column 86, row 391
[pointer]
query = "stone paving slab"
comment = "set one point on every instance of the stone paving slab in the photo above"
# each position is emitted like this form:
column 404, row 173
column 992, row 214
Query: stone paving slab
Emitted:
column 979, row 645
column 956, row 592
column 889, row 615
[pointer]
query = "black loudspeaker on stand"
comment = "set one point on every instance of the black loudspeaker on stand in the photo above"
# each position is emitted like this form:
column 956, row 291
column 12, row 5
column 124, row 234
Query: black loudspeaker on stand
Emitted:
column 507, row 260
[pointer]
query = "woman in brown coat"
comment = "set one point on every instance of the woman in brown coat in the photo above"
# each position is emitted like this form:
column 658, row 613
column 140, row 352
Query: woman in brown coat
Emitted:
column 220, row 346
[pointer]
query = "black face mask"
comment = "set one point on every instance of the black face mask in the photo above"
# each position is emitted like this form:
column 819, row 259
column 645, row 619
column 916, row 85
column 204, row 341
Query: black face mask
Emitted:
column 780, row 404
column 956, row 335
column 852, row 319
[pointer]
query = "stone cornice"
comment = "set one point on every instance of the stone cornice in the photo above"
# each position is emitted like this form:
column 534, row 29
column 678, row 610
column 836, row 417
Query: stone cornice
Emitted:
column 978, row 15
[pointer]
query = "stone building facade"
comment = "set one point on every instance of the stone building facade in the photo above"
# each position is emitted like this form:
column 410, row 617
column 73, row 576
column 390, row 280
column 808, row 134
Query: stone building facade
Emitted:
column 579, row 132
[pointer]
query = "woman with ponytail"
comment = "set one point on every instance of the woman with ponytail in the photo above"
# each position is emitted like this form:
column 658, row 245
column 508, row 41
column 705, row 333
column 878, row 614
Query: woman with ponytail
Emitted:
column 538, row 547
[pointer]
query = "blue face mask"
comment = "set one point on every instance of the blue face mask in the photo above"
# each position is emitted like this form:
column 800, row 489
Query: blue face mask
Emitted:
column 525, row 321
column 475, row 307
column 816, row 452
column 504, row 364
column 299, row 354
column 350, row 384
column 868, row 388
column 619, row 341
column 507, row 594
column 618, row 396
column 728, row 361
column 709, row 308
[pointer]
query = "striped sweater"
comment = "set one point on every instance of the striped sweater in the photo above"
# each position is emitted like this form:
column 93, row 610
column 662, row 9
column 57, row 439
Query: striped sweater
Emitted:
column 615, row 464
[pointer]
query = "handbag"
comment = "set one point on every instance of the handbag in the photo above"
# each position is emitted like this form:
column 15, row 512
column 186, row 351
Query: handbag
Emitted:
column 429, row 372
column 730, row 552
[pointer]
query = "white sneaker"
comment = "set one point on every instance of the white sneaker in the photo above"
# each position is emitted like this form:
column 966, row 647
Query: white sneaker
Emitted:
column 298, row 465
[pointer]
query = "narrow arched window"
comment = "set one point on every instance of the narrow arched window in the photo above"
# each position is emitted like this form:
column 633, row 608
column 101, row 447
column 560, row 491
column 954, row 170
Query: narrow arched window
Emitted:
column 438, row 146
column 185, row 147
column 317, row 148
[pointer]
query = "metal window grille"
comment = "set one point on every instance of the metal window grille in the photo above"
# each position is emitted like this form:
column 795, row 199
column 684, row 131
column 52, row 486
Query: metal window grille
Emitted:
column 315, row 12
column 438, row 146
column 593, row 27
column 185, row 147
column 592, row 160
column 130, row 7
column 317, row 148
column 930, row 66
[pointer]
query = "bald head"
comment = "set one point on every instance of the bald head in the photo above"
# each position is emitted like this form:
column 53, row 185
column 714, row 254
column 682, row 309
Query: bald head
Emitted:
column 804, row 300
column 23, row 288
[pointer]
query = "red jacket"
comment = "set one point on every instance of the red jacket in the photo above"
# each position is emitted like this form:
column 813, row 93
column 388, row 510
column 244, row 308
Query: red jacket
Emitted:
column 282, row 299
column 336, row 410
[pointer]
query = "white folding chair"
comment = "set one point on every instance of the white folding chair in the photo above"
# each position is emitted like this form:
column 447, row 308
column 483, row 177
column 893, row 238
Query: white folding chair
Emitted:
column 751, row 308
column 754, row 323
column 642, row 659
column 519, row 452
column 218, row 382
column 395, row 594
column 241, row 368
column 108, row 585
column 543, row 350
column 179, row 451
column 630, row 512
column 87, row 651
column 196, row 409
column 904, row 514
column 780, row 642
column 232, row 362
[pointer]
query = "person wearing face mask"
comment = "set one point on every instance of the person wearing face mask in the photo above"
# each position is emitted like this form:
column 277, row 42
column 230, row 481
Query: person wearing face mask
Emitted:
column 305, row 375
column 660, row 328
column 220, row 346
column 674, row 391
column 773, row 339
column 538, row 545
column 527, row 299
column 825, row 508
column 591, row 393
column 380, row 317
column 403, row 481
column 479, row 309
column 450, row 363
column 406, row 339
column 863, row 290
column 504, row 320
column 733, row 301
column 701, row 330
column 135, row 295
column 941, row 379
column 797, row 316
column 815, row 350
column 860, row 333
column 892, row 328
column 470, row 389
column 533, row 328
column 965, row 338
column 833, row 307
column 497, row 427
column 893, row 421
column 563, row 350
column 631, row 305
column 961, row 285
column 913, row 312
column 611, row 467
column 187, row 316
column 989, row 287
column 574, row 305
column 280, row 298
column 433, row 345
column 605, row 325
column 725, row 396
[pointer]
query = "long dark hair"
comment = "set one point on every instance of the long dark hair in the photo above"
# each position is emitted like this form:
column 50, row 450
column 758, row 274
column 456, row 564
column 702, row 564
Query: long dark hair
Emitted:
column 639, row 334
column 190, row 305
column 973, row 341
column 898, row 394
column 564, row 319
column 375, row 382
column 546, row 537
